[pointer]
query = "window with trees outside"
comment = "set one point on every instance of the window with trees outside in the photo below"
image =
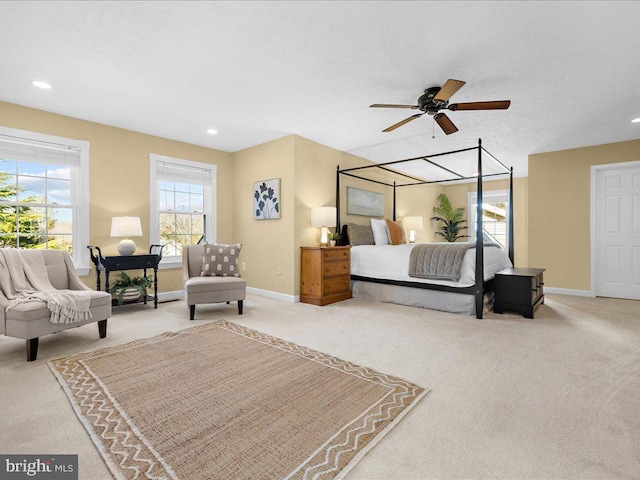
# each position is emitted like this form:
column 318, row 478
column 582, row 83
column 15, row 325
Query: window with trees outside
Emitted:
column 495, row 217
column 41, row 194
column 183, row 205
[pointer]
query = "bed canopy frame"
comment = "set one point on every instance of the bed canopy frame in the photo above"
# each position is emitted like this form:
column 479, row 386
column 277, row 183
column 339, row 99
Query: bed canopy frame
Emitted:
column 439, row 161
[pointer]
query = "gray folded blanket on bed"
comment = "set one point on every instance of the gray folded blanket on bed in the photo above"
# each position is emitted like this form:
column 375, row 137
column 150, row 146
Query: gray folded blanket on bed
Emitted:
column 438, row 261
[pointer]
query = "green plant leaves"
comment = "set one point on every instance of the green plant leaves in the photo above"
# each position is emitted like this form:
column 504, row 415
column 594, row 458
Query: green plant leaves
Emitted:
column 125, row 281
column 452, row 219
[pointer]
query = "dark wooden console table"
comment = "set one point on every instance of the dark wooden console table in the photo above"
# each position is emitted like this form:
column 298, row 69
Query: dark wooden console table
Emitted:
column 114, row 263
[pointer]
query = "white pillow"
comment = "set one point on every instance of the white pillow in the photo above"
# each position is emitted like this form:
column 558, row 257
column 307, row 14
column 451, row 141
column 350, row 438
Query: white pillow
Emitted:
column 380, row 232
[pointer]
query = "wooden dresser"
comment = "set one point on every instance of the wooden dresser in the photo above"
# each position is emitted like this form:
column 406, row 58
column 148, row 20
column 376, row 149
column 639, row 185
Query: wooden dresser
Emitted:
column 326, row 274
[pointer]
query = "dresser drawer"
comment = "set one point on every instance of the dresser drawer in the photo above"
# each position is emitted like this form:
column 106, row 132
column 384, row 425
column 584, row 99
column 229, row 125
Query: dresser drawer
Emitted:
column 339, row 267
column 336, row 284
column 335, row 253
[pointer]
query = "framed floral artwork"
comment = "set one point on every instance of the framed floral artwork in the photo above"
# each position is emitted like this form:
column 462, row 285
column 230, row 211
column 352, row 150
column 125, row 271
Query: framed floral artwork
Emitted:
column 266, row 199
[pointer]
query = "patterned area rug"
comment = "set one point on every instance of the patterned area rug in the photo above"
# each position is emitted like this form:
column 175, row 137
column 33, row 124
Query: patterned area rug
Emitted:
column 221, row 401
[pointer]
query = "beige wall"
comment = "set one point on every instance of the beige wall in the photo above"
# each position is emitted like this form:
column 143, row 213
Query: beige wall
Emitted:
column 266, row 244
column 458, row 194
column 560, row 210
column 119, row 176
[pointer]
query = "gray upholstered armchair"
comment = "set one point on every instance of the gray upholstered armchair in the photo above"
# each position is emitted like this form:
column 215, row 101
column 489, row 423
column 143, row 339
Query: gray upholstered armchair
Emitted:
column 209, row 289
column 31, row 320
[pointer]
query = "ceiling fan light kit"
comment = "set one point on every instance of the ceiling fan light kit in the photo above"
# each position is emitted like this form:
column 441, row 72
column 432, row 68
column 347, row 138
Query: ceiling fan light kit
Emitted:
column 435, row 99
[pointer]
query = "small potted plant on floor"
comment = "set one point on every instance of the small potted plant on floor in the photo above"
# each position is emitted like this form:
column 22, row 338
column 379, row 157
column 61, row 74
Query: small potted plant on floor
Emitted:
column 130, row 289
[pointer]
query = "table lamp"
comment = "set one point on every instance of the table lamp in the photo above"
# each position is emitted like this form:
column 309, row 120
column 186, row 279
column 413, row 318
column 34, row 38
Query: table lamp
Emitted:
column 412, row 224
column 126, row 227
column 323, row 217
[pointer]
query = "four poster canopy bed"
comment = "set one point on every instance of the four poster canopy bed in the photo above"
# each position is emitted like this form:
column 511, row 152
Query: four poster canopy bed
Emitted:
column 456, row 277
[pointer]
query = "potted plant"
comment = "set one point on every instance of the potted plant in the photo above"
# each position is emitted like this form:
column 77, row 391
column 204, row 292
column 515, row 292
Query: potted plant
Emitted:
column 128, row 288
column 333, row 238
column 453, row 219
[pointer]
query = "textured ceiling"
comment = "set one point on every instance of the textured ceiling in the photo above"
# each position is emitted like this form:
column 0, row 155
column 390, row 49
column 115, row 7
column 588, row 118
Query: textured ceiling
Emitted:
column 257, row 71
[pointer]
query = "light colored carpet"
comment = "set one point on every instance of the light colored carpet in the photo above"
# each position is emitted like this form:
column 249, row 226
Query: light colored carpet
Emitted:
column 557, row 397
column 220, row 400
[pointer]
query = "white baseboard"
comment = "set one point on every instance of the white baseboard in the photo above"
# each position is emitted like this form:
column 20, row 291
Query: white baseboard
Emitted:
column 569, row 291
column 275, row 295
column 179, row 294
column 170, row 296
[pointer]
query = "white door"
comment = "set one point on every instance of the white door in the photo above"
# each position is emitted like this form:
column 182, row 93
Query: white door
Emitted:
column 617, row 229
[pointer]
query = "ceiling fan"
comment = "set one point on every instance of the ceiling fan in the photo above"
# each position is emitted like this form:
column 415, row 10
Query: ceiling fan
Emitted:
column 435, row 99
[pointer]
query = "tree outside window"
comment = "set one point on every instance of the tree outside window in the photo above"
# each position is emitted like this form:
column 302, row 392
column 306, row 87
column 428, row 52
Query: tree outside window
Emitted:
column 35, row 206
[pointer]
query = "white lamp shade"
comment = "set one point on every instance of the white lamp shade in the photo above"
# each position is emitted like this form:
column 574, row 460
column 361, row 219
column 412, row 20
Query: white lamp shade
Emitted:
column 323, row 217
column 412, row 223
column 126, row 227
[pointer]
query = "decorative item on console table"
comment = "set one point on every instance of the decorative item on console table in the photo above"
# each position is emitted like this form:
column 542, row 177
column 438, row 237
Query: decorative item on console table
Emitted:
column 325, row 274
column 130, row 289
column 111, row 263
column 519, row 290
column 126, row 227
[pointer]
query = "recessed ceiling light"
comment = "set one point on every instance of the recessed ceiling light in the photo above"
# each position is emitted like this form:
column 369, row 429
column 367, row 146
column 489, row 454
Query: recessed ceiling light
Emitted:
column 212, row 131
column 39, row 84
column 636, row 120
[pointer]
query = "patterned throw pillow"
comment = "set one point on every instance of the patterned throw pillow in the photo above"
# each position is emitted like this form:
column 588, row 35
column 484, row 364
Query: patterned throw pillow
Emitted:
column 221, row 260
column 396, row 232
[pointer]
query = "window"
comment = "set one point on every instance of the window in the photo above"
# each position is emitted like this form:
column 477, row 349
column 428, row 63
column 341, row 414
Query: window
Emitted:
column 182, row 205
column 495, row 216
column 44, row 196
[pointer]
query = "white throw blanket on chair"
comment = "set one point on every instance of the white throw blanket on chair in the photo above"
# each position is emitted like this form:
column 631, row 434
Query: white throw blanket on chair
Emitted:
column 23, row 278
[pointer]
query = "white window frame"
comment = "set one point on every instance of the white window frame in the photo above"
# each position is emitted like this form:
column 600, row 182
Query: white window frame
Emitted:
column 175, row 261
column 488, row 196
column 79, row 192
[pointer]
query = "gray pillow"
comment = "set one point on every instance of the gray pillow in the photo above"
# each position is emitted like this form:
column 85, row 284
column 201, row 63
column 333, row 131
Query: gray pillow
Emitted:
column 221, row 260
column 360, row 234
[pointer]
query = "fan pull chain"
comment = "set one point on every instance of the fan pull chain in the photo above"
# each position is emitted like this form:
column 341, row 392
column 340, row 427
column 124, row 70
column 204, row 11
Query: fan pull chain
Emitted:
column 433, row 126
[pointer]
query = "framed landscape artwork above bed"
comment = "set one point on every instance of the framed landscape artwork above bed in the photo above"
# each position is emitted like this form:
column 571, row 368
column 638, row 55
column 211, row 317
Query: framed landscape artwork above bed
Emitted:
column 364, row 202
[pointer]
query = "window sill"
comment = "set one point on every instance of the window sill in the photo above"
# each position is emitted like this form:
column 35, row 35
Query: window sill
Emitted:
column 83, row 271
column 170, row 263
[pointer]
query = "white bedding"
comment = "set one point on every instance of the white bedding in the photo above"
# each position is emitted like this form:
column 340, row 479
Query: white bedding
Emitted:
column 392, row 262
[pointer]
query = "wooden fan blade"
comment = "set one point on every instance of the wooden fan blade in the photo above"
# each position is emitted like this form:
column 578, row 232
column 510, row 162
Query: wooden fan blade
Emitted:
column 445, row 123
column 448, row 89
column 387, row 105
column 406, row 120
column 496, row 105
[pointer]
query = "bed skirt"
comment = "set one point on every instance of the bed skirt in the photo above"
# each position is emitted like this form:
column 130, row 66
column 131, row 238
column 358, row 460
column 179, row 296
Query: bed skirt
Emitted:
column 419, row 297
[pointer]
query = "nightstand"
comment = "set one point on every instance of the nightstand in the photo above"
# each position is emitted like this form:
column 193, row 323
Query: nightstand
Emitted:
column 519, row 290
column 325, row 275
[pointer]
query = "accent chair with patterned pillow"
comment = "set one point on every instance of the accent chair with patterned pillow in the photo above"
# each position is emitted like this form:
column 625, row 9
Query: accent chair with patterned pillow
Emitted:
column 200, row 288
column 221, row 260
